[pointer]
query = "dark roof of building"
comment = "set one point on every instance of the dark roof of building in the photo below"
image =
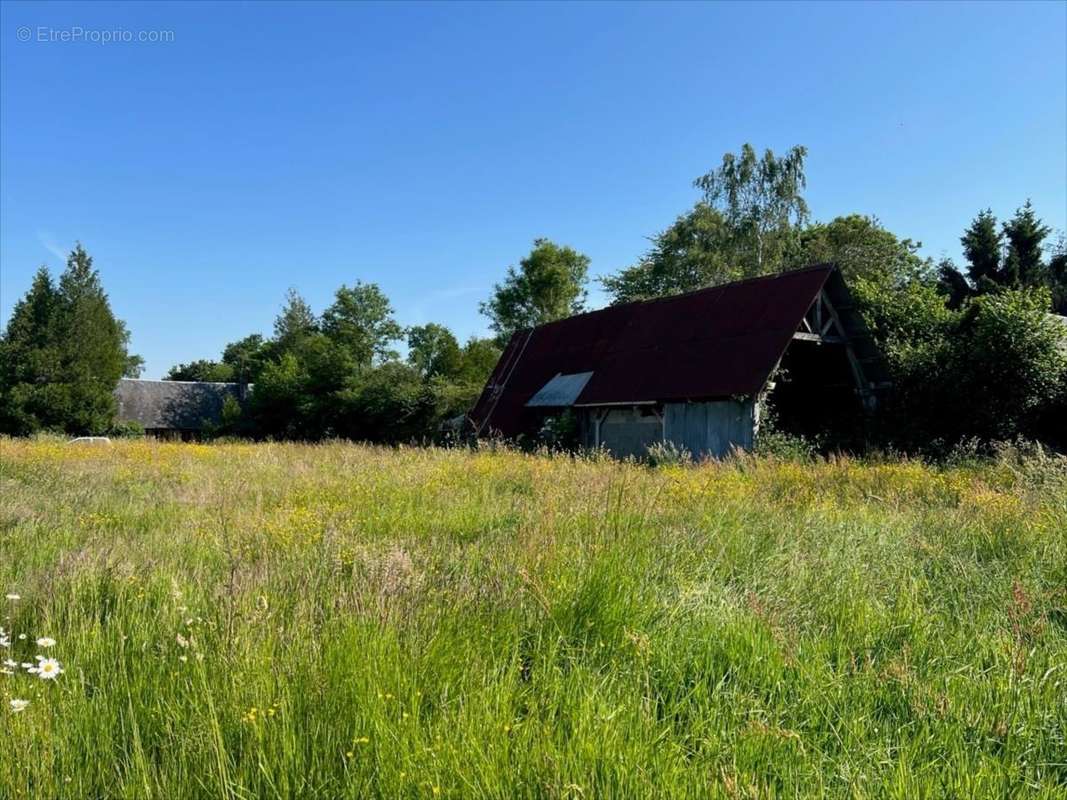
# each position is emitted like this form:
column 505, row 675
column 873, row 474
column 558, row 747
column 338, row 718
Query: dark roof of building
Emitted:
column 713, row 343
column 175, row 405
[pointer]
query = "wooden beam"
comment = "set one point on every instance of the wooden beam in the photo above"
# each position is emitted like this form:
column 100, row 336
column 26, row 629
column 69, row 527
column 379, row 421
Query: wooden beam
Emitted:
column 863, row 387
column 814, row 337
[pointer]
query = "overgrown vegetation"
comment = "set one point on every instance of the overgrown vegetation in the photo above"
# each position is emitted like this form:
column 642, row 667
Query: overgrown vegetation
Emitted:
column 338, row 621
column 973, row 353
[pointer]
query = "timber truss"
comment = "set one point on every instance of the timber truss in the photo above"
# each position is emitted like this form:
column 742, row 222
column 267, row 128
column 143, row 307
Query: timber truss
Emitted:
column 822, row 325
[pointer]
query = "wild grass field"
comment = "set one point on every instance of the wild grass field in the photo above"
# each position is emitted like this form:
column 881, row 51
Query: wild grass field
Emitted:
column 336, row 621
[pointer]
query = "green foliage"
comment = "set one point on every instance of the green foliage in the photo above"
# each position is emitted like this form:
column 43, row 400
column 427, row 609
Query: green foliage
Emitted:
column 559, row 431
column 134, row 363
column 863, row 250
column 549, row 284
column 247, row 357
column 668, row 454
column 361, row 321
column 1057, row 275
column 479, row 359
column 63, row 353
column 434, row 351
column 952, row 284
column 701, row 249
column 126, row 430
column 761, row 200
column 202, row 370
column 233, row 421
column 982, row 246
column 390, row 403
column 294, row 322
column 697, row 251
column 750, row 222
column 301, row 395
column 991, row 370
column 1009, row 258
column 338, row 376
column 1010, row 360
column 278, row 402
column 948, row 338
column 1025, row 234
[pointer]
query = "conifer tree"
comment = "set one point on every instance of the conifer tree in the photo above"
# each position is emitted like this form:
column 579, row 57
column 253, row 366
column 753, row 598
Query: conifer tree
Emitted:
column 92, row 345
column 1025, row 234
column 29, row 360
column 982, row 246
column 63, row 354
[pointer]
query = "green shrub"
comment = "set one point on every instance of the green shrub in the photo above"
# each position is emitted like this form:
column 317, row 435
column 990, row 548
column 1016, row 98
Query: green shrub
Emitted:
column 126, row 430
column 668, row 454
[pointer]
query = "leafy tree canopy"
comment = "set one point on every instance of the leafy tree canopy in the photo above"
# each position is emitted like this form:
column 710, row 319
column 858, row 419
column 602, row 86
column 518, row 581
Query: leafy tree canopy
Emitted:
column 760, row 197
column 247, row 357
column 434, row 351
column 548, row 284
column 696, row 251
column 479, row 359
column 201, row 370
column 863, row 250
column 361, row 320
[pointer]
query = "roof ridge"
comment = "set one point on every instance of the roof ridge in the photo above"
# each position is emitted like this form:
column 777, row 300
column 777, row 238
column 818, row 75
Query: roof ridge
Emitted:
column 196, row 383
column 828, row 266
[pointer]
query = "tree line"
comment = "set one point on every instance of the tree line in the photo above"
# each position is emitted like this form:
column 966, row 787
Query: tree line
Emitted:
column 338, row 373
column 973, row 350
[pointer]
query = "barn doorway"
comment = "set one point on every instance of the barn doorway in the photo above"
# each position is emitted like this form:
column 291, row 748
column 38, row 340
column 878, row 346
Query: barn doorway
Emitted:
column 815, row 396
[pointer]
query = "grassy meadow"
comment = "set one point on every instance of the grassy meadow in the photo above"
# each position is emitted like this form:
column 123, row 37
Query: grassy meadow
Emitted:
column 336, row 621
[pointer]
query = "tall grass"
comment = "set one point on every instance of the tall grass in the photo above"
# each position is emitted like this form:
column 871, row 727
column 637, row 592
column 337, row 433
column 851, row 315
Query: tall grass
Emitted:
column 275, row 621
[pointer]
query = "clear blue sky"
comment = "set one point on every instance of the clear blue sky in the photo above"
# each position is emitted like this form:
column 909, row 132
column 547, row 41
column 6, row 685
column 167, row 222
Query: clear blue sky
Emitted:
column 423, row 147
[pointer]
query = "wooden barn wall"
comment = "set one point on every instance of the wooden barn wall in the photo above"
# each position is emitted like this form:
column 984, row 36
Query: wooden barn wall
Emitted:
column 623, row 431
column 710, row 429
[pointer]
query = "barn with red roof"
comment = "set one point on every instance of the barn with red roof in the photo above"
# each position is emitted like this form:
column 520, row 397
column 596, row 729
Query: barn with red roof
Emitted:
column 694, row 370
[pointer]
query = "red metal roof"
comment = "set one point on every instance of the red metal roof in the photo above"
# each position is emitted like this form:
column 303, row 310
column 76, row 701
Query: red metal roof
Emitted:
column 715, row 342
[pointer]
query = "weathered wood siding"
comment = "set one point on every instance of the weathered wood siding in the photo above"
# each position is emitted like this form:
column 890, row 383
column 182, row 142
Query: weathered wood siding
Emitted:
column 708, row 429
column 712, row 428
column 623, row 431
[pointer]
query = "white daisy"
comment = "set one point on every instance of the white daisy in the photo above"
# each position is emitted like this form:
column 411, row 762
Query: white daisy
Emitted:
column 13, row 596
column 10, row 664
column 47, row 669
column 18, row 705
column 46, row 641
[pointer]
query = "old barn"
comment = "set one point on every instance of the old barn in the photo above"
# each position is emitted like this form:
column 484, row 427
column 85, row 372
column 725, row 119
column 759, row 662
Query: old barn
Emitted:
column 695, row 370
column 175, row 409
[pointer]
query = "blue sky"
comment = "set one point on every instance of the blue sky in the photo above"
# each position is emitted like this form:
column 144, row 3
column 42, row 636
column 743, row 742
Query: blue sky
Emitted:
column 424, row 147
